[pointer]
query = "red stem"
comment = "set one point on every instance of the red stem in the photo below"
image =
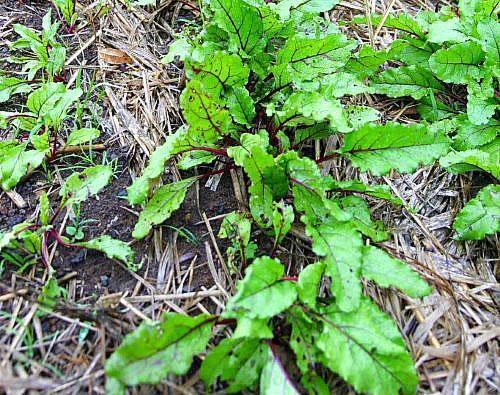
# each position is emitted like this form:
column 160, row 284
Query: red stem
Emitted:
column 289, row 278
column 328, row 157
column 213, row 173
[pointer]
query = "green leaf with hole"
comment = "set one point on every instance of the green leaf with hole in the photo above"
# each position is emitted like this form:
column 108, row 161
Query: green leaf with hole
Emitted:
column 235, row 361
column 80, row 186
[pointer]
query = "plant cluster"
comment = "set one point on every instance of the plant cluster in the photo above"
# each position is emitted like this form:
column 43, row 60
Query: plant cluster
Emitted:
column 450, row 63
column 48, row 110
column 264, row 81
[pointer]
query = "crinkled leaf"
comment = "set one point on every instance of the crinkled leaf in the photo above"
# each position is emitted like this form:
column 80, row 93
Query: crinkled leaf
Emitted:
column 378, row 361
column 411, row 51
column 340, row 244
column 312, row 107
column 341, row 84
column 489, row 31
column 152, row 351
column 481, row 102
column 450, row 30
column 458, row 64
column 113, row 248
column 79, row 186
column 221, row 71
column 262, row 293
column 473, row 159
column 411, row 81
column 480, row 216
column 162, row 204
column 471, row 136
column 207, row 120
column 305, row 59
column 242, row 22
column 366, row 61
column 241, row 106
column 380, row 148
column 387, row 271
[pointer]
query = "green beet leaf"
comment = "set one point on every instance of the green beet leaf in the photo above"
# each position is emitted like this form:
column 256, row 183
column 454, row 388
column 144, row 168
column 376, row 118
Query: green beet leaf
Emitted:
column 361, row 218
column 286, row 7
column 80, row 186
column 411, row 81
column 480, row 216
column 341, row 246
column 12, row 86
column 236, row 361
column 82, row 136
column 309, row 280
column 242, row 23
column 162, row 204
column 387, row 271
column 474, row 159
column 262, row 293
column 380, row 148
column 15, row 161
column 153, row 350
column 274, row 378
column 174, row 143
column 355, row 186
column 369, row 339
column 458, row 64
column 114, row 249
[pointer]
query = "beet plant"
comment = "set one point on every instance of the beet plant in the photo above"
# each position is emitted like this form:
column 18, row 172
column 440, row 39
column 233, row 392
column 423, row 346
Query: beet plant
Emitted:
column 450, row 63
column 47, row 110
column 264, row 81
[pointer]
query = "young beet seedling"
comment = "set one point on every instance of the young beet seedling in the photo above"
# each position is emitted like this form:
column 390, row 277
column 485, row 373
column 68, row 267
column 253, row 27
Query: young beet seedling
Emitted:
column 264, row 82
column 37, row 130
column 77, row 188
column 66, row 11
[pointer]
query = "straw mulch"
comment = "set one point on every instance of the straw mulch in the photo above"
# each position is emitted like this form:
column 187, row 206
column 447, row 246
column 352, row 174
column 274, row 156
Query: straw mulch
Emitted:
column 452, row 334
